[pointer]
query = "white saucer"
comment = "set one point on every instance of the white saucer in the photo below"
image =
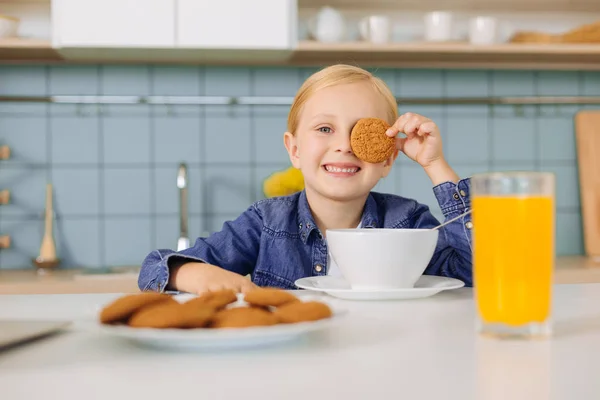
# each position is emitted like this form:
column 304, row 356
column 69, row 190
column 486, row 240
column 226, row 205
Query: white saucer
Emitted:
column 426, row 286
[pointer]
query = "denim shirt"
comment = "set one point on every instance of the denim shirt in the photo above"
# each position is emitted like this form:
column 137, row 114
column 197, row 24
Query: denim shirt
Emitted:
column 277, row 241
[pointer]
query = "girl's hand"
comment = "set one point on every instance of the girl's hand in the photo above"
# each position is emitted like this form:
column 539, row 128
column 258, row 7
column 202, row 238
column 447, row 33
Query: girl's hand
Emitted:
column 197, row 278
column 422, row 143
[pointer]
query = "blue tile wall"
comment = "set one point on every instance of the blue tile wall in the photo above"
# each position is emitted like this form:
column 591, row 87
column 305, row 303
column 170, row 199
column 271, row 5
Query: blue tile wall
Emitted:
column 114, row 167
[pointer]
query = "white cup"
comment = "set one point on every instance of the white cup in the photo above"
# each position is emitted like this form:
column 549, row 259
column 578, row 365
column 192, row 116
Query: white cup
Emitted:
column 375, row 28
column 327, row 26
column 438, row 26
column 483, row 30
column 376, row 259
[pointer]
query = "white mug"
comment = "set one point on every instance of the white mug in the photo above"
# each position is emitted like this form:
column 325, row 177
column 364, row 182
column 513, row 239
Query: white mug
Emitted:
column 375, row 28
column 328, row 25
column 438, row 26
column 483, row 30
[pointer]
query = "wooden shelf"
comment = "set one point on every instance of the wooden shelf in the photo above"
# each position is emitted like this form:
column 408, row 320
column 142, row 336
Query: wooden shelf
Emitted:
column 467, row 6
column 27, row 50
column 310, row 53
column 451, row 55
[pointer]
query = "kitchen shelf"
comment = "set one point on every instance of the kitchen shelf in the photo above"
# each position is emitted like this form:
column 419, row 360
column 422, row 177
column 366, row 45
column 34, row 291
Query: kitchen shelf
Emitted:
column 27, row 50
column 453, row 55
column 469, row 6
column 312, row 53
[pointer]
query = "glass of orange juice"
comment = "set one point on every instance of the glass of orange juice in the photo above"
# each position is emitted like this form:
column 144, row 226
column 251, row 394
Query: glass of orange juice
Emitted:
column 513, row 252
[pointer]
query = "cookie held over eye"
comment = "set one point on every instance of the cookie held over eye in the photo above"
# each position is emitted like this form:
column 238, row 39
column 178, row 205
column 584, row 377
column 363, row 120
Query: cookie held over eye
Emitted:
column 369, row 141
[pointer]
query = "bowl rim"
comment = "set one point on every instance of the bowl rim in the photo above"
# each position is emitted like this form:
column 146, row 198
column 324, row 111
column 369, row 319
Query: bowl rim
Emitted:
column 359, row 231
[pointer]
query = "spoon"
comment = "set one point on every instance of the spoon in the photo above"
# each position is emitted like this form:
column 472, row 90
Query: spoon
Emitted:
column 451, row 220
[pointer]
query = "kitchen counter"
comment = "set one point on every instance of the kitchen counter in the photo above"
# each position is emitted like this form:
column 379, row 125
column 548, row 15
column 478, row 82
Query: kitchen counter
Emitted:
column 412, row 349
column 568, row 270
column 122, row 280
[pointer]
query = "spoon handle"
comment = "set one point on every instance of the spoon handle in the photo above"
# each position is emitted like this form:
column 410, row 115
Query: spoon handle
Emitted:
column 452, row 220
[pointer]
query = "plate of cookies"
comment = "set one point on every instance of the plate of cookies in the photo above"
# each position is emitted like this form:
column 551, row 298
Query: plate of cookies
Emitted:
column 214, row 320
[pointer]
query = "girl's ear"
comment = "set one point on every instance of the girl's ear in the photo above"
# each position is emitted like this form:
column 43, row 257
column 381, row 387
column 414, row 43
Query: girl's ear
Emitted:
column 291, row 144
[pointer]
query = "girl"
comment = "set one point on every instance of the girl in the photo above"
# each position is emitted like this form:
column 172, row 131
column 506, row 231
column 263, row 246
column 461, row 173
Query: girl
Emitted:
column 281, row 239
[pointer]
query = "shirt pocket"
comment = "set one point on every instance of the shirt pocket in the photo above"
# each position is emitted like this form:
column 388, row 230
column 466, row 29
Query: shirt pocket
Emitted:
column 267, row 279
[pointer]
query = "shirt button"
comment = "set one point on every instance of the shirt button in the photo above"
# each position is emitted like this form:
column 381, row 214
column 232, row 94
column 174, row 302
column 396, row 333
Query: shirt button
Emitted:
column 469, row 225
column 318, row 268
column 462, row 193
column 455, row 196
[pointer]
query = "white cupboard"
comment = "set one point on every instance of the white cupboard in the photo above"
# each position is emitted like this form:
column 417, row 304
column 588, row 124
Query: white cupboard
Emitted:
column 113, row 23
column 237, row 24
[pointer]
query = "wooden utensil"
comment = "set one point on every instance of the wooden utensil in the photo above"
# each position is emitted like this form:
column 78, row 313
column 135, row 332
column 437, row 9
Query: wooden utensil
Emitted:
column 4, row 152
column 48, row 248
column 4, row 196
column 4, row 242
column 587, row 133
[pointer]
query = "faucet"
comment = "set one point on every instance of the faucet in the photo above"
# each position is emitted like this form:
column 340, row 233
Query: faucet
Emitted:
column 182, row 183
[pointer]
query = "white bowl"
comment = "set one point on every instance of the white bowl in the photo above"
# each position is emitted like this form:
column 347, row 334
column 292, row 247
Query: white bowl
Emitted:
column 373, row 259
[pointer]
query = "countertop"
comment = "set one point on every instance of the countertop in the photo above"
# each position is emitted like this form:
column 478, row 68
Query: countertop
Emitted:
column 567, row 270
column 411, row 349
column 122, row 280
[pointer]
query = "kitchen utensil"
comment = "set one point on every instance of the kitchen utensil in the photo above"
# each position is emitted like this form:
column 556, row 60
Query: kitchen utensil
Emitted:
column 375, row 28
column 13, row 332
column 182, row 183
column 513, row 252
column 47, row 257
column 451, row 220
column 4, row 242
column 483, row 30
column 396, row 257
column 587, row 134
column 438, row 26
column 327, row 25
column 426, row 285
column 4, row 196
column 4, row 152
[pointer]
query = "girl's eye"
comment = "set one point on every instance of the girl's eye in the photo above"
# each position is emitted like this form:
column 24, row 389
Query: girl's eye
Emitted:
column 325, row 129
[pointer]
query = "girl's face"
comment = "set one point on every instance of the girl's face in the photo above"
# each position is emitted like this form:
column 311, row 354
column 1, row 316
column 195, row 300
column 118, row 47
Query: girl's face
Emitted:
column 321, row 147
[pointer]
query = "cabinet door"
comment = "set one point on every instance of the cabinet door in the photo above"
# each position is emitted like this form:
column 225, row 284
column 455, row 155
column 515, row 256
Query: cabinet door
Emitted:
column 237, row 24
column 113, row 23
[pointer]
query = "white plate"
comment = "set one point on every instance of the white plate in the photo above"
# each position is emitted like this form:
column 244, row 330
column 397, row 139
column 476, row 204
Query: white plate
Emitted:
column 217, row 339
column 426, row 286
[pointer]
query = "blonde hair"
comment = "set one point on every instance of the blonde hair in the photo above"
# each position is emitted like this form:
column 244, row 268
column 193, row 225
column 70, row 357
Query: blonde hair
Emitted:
column 339, row 74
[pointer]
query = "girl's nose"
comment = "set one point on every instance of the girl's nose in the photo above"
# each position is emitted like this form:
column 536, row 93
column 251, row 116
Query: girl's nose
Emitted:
column 342, row 143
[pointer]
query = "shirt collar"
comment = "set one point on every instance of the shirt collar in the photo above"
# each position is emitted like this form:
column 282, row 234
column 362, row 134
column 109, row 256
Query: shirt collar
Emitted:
column 306, row 222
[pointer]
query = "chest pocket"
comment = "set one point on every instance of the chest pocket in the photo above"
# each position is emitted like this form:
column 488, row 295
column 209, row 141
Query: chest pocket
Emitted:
column 268, row 279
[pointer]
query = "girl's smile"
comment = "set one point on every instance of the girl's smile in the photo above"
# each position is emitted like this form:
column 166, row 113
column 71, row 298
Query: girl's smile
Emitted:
column 341, row 170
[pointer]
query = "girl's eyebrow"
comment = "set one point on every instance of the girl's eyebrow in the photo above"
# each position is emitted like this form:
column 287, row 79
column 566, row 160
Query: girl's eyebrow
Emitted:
column 323, row 115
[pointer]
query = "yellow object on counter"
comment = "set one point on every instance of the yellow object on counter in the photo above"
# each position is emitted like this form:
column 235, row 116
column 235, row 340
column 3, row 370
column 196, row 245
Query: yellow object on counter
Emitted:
column 283, row 183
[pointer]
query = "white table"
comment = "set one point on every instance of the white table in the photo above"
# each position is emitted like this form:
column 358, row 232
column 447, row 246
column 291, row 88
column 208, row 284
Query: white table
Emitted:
column 421, row 349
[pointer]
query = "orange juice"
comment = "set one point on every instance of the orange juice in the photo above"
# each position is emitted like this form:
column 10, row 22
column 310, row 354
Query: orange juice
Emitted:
column 513, row 258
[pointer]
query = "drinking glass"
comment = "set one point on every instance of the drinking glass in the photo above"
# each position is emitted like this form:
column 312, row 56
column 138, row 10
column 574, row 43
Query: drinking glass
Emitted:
column 513, row 252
